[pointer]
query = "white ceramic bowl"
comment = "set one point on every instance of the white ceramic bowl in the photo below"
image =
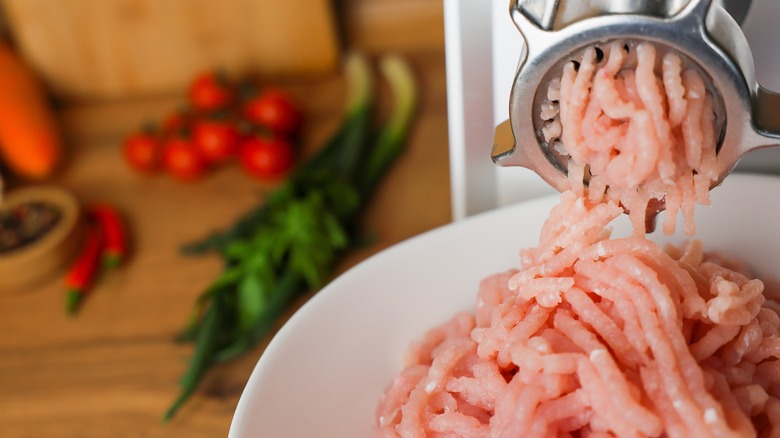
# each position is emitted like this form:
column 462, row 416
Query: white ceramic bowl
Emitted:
column 323, row 373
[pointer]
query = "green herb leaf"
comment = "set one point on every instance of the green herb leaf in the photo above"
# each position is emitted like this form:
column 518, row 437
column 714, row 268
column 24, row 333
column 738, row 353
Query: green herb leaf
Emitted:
column 286, row 289
column 251, row 301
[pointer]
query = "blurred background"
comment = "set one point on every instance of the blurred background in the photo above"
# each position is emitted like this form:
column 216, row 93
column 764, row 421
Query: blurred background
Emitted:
column 92, row 92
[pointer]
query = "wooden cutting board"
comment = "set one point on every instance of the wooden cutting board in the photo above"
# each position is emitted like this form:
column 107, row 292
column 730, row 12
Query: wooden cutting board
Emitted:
column 112, row 49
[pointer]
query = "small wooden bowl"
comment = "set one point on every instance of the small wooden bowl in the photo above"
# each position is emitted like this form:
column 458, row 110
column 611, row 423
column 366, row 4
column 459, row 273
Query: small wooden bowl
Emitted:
column 44, row 257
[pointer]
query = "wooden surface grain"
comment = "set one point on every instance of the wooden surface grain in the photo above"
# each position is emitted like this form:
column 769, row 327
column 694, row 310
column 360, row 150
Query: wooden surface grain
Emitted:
column 113, row 370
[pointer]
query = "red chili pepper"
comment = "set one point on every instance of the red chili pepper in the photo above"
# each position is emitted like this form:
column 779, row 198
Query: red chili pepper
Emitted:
column 82, row 272
column 110, row 222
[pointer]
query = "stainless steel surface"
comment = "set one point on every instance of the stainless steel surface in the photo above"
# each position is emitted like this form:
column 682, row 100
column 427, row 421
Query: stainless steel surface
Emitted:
column 702, row 30
column 556, row 14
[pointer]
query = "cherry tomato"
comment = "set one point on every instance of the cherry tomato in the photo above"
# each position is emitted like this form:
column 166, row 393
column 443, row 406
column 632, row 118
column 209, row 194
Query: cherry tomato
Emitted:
column 216, row 140
column 182, row 160
column 176, row 122
column 210, row 91
column 142, row 151
column 267, row 159
column 275, row 110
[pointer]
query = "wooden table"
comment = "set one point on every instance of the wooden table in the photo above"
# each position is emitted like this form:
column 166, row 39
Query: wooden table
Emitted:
column 113, row 370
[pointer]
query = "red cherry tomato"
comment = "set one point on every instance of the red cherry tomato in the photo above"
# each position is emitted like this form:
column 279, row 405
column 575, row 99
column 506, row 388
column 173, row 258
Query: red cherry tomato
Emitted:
column 142, row 151
column 216, row 140
column 275, row 110
column 176, row 122
column 266, row 159
column 210, row 91
column 182, row 160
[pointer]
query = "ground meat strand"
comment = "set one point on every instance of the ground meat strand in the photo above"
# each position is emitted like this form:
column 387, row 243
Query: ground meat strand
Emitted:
column 642, row 126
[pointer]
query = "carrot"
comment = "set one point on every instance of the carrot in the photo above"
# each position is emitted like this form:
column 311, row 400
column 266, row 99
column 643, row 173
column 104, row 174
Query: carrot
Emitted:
column 30, row 143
